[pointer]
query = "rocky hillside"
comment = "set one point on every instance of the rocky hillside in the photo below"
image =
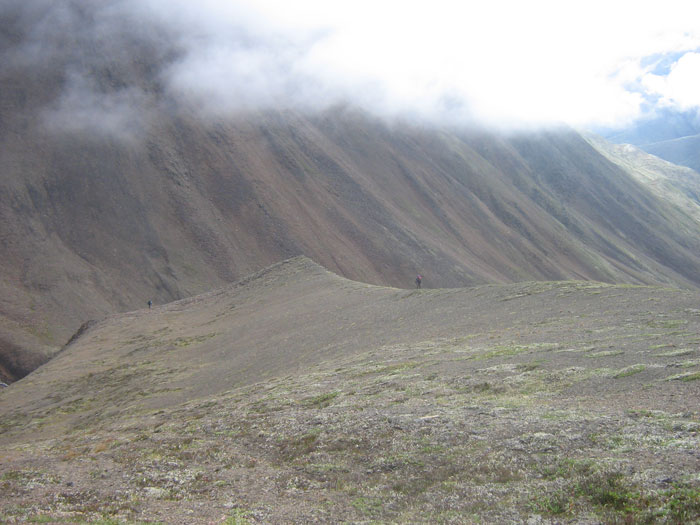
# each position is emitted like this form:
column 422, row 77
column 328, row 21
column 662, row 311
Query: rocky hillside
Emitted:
column 114, row 192
column 92, row 227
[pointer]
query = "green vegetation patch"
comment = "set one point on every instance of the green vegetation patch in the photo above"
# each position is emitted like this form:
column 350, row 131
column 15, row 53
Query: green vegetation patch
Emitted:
column 670, row 323
column 529, row 367
column 681, row 504
column 674, row 353
column 368, row 506
column 239, row 517
column 26, row 478
column 321, row 400
column 690, row 377
column 388, row 369
column 187, row 341
column 614, row 497
column 295, row 447
column 630, row 371
column 503, row 351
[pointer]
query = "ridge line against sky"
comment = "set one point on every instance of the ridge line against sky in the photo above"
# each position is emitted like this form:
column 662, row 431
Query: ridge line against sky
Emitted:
column 504, row 63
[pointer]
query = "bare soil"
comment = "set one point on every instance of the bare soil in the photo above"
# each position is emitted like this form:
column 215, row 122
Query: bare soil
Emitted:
column 296, row 396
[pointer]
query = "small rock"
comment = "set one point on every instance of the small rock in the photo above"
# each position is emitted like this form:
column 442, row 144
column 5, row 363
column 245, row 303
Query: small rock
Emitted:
column 156, row 492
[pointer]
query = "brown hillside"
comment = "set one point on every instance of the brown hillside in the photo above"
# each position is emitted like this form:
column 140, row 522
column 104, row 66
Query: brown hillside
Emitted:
column 95, row 227
column 113, row 192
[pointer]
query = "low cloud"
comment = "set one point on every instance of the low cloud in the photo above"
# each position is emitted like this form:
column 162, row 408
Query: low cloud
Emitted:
column 503, row 63
column 238, row 74
column 83, row 107
column 680, row 88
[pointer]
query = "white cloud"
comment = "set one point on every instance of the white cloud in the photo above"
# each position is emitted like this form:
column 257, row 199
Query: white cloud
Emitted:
column 681, row 87
column 503, row 61
column 84, row 108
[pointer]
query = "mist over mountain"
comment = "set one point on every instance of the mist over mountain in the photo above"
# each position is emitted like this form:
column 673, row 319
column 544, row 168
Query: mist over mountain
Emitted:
column 130, row 172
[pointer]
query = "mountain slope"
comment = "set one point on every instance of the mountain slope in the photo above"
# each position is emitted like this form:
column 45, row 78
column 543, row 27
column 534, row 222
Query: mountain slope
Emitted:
column 115, row 190
column 677, row 184
column 297, row 395
column 683, row 151
column 95, row 227
column 296, row 314
column 671, row 135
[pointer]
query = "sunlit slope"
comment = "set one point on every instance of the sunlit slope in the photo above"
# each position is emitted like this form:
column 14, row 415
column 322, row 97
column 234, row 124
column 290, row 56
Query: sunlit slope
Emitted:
column 674, row 183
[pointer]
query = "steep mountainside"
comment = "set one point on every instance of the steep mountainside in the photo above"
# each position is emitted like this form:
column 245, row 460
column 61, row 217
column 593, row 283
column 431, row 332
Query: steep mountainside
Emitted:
column 114, row 192
column 92, row 226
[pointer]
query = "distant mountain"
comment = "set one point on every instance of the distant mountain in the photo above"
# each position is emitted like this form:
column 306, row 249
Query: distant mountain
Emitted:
column 101, row 211
column 662, row 126
column 683, row 150
column 678, row 184
column 670, row 135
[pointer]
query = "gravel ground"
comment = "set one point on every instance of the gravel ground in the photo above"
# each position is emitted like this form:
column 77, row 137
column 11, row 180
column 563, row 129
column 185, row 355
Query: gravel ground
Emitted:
column 299, row 397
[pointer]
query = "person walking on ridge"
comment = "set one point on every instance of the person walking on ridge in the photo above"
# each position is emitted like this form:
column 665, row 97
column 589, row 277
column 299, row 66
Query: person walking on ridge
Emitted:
column 419, row 280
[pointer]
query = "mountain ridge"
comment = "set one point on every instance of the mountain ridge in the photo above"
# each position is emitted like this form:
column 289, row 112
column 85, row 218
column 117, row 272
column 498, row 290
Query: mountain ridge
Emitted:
column 200, row 205
column 116, row 191
column 280, row 320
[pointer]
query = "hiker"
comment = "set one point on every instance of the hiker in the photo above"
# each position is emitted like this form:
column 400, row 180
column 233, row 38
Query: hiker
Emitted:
column 419, row 280
column 149, row 304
